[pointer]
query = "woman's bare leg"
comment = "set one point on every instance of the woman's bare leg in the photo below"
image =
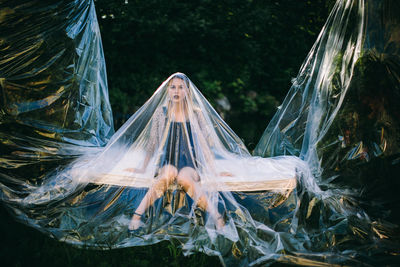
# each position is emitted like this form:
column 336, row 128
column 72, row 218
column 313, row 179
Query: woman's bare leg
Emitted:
column 186, row 178
column 167, row 176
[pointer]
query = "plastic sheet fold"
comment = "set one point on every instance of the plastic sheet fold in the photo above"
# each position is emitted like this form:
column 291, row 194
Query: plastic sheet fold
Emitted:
column 54, row 95
column 341, row 116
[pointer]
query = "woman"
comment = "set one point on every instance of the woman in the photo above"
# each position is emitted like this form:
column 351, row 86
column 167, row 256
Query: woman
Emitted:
column 177, row 137
column 178, row 161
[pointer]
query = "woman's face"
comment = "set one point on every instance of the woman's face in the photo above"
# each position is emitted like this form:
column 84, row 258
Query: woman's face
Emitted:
column 177, row 90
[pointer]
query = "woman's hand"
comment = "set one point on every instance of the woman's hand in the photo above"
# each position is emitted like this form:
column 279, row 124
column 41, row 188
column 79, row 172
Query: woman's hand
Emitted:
column 226, row 174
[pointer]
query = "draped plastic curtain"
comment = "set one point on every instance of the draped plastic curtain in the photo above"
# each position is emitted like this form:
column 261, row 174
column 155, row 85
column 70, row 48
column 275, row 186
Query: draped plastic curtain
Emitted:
column 342, row 116
column 342, row 105
column 54, row 95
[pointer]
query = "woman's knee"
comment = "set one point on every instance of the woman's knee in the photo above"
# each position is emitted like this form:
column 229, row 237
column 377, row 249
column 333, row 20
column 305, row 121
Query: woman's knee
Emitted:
column 184, row 181
column 187, row 174
column 202, row 202
column 169, row 173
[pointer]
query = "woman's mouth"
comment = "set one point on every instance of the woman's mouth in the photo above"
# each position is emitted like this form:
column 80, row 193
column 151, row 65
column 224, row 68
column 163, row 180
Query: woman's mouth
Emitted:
column 176, row 97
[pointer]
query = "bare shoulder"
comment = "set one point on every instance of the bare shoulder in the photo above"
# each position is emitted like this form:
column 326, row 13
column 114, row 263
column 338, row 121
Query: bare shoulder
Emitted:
column 198, row 112
column 201, row 117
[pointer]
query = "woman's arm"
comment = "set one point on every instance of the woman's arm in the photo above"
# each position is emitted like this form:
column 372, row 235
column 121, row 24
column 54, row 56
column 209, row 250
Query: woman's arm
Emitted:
column 154, row 131
column 144, row 166
column 205, row 127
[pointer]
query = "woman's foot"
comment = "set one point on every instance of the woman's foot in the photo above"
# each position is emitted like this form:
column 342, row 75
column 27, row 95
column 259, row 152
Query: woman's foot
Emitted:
column 135, row 222
column 220, row 222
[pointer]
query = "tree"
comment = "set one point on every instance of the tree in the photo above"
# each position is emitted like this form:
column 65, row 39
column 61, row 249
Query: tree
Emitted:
column 241, row 54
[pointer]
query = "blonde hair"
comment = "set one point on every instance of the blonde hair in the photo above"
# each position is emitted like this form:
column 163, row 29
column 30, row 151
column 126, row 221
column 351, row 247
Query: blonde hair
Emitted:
column 181, row 76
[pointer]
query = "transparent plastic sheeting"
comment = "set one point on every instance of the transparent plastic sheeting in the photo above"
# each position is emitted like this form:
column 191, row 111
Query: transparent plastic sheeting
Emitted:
column 342, row 117
column 175, row 170
column 52, row 77
column 54, row 102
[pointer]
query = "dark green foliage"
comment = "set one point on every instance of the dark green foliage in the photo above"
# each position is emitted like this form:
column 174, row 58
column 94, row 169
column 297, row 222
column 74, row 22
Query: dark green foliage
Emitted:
column 246, row 51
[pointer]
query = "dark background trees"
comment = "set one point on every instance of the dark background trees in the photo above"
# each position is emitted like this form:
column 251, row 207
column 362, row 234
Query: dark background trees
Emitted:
column 242, row 55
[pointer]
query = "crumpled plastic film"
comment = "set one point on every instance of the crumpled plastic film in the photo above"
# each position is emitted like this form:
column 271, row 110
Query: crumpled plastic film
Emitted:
column 54, row 98
column 54, row 103
column 65, row 172
column 55, row 121
column 342, row 116
column 52, row 72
